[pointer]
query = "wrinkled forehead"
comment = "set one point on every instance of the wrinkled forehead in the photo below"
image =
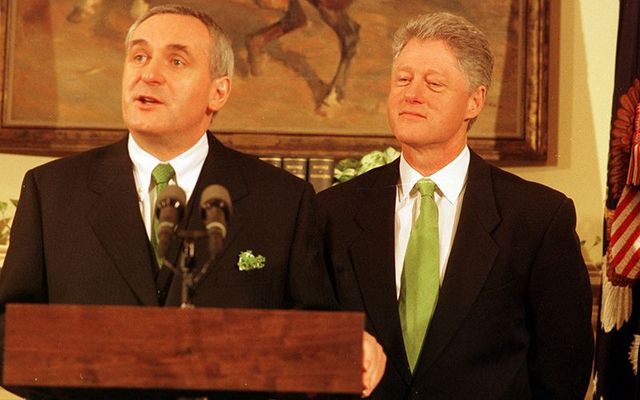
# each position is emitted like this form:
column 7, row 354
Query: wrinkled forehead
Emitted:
column 174, row 30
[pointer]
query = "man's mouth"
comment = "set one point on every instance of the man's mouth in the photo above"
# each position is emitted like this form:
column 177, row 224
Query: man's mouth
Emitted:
column 147, row 99
column 411, row 114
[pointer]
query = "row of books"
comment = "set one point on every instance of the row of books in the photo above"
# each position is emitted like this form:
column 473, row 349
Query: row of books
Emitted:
column 318, row 171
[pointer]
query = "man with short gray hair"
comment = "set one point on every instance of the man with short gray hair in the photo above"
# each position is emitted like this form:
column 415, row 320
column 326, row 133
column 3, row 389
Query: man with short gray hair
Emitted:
column 85, row 231
column 471, row 278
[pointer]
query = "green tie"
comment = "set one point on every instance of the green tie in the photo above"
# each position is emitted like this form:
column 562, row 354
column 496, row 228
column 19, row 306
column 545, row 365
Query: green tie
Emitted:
column 420, row 280
column 161, row 175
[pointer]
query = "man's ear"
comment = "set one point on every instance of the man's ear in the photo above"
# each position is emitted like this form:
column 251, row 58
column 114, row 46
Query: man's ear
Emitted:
column 476, row 102
column 220, row 90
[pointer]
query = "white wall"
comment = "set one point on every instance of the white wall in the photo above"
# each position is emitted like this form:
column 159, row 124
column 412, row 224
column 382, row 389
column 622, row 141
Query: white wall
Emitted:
column 12, row 170
column 581, row 86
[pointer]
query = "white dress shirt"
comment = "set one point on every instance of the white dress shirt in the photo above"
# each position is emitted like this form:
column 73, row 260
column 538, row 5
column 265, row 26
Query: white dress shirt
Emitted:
column 451, row 181
column 187, row 167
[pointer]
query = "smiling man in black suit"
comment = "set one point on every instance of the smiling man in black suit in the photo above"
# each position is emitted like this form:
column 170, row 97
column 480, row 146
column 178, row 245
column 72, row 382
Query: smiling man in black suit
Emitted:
column 472, row 278
column 84, row 229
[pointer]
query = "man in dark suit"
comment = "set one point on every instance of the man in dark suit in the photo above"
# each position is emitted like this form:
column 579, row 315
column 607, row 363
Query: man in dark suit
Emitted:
column 471, row 278
column 84, row 230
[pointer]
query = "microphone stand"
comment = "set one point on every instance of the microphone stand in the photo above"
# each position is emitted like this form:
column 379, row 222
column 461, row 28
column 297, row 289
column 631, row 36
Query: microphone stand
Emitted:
column 190, row 276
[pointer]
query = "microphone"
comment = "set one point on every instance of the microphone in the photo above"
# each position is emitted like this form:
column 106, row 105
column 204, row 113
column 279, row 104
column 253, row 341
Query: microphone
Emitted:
column 169, row 210
column 216, row 210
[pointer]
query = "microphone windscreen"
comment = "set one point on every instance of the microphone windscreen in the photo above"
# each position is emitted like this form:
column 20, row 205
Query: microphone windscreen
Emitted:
column 216, row 193
column 173, row 192
column 169, row 209
column 215, row 207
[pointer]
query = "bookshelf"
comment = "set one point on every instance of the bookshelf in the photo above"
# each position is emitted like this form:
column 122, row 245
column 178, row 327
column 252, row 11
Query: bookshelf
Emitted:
column 318, row 171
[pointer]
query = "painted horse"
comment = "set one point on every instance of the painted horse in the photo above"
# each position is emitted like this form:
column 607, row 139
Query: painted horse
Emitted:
column 334, row 14
column 83, row 9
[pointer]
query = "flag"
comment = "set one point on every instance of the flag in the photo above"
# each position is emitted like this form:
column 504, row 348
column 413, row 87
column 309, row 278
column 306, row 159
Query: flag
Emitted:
column 618, row 331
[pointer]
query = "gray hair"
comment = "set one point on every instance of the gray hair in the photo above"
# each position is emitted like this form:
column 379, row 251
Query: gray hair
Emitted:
column 468, row 44
column 221, row 52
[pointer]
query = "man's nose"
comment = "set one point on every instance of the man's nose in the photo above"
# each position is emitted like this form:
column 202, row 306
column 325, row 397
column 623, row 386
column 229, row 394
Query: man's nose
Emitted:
column 152, row 72
column 414, row 92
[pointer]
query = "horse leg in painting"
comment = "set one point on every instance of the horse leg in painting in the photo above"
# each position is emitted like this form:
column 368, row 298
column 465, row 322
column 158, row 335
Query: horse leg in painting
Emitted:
column 293, row 18
column 84, row 9
column 334, row 14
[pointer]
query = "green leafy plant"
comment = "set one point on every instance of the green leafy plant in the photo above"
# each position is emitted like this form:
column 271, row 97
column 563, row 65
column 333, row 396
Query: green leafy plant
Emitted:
column 5, row 222
column 349, row 168
column 589, row 248
column 594, row 243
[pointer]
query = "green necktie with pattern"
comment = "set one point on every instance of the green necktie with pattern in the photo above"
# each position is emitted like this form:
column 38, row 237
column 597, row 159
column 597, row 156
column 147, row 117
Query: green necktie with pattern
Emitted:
column 161, row 175
column 420, row 280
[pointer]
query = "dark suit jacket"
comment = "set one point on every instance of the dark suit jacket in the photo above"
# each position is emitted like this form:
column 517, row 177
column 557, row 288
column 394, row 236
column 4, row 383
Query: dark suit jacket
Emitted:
column 513, row 313
column 78, row 236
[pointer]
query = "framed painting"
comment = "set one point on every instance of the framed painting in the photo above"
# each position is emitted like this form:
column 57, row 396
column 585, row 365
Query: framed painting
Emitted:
column 296, row 94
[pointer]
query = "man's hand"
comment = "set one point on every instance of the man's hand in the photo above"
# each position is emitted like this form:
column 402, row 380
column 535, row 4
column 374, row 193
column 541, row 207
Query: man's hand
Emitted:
column 373, row 363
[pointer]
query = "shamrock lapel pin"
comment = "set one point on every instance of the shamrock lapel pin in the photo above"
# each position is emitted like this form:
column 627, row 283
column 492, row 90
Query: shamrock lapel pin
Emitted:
column 247, row 261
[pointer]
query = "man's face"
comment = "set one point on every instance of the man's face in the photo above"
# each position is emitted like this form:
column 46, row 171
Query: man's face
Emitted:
column 167, row 89
column 429, row 104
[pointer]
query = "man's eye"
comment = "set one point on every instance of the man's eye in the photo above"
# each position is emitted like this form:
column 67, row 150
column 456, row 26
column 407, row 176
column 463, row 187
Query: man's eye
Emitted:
column 177, row 62
column 435, row 85
column 139, row 58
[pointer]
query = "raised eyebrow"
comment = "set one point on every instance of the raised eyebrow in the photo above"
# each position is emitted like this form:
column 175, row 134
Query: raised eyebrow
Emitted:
column 179, row 47
column 174, row 47
column 436, row 76
column 404, row 68
column 137, row 42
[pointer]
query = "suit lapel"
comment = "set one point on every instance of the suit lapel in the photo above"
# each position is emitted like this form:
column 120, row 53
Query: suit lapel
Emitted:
column 116, row 221
column 470, row 261
column 372, row 253
column 223, row 168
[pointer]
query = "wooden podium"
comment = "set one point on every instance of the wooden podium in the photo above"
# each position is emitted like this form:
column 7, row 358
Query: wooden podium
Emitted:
column 182, row 350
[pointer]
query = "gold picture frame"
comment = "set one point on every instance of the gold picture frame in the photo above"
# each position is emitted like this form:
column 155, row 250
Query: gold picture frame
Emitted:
column 61, row 78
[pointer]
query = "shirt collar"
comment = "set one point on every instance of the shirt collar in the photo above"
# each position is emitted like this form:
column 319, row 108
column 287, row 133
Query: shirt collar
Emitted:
column 186, row 165
column 450, row 179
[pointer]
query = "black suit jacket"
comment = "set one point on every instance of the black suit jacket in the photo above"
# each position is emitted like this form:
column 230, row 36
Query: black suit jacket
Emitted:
column 513, row 314
column 78, row 236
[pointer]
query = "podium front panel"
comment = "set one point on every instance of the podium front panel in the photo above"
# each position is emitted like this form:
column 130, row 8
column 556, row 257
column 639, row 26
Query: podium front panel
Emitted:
column 73, row 346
